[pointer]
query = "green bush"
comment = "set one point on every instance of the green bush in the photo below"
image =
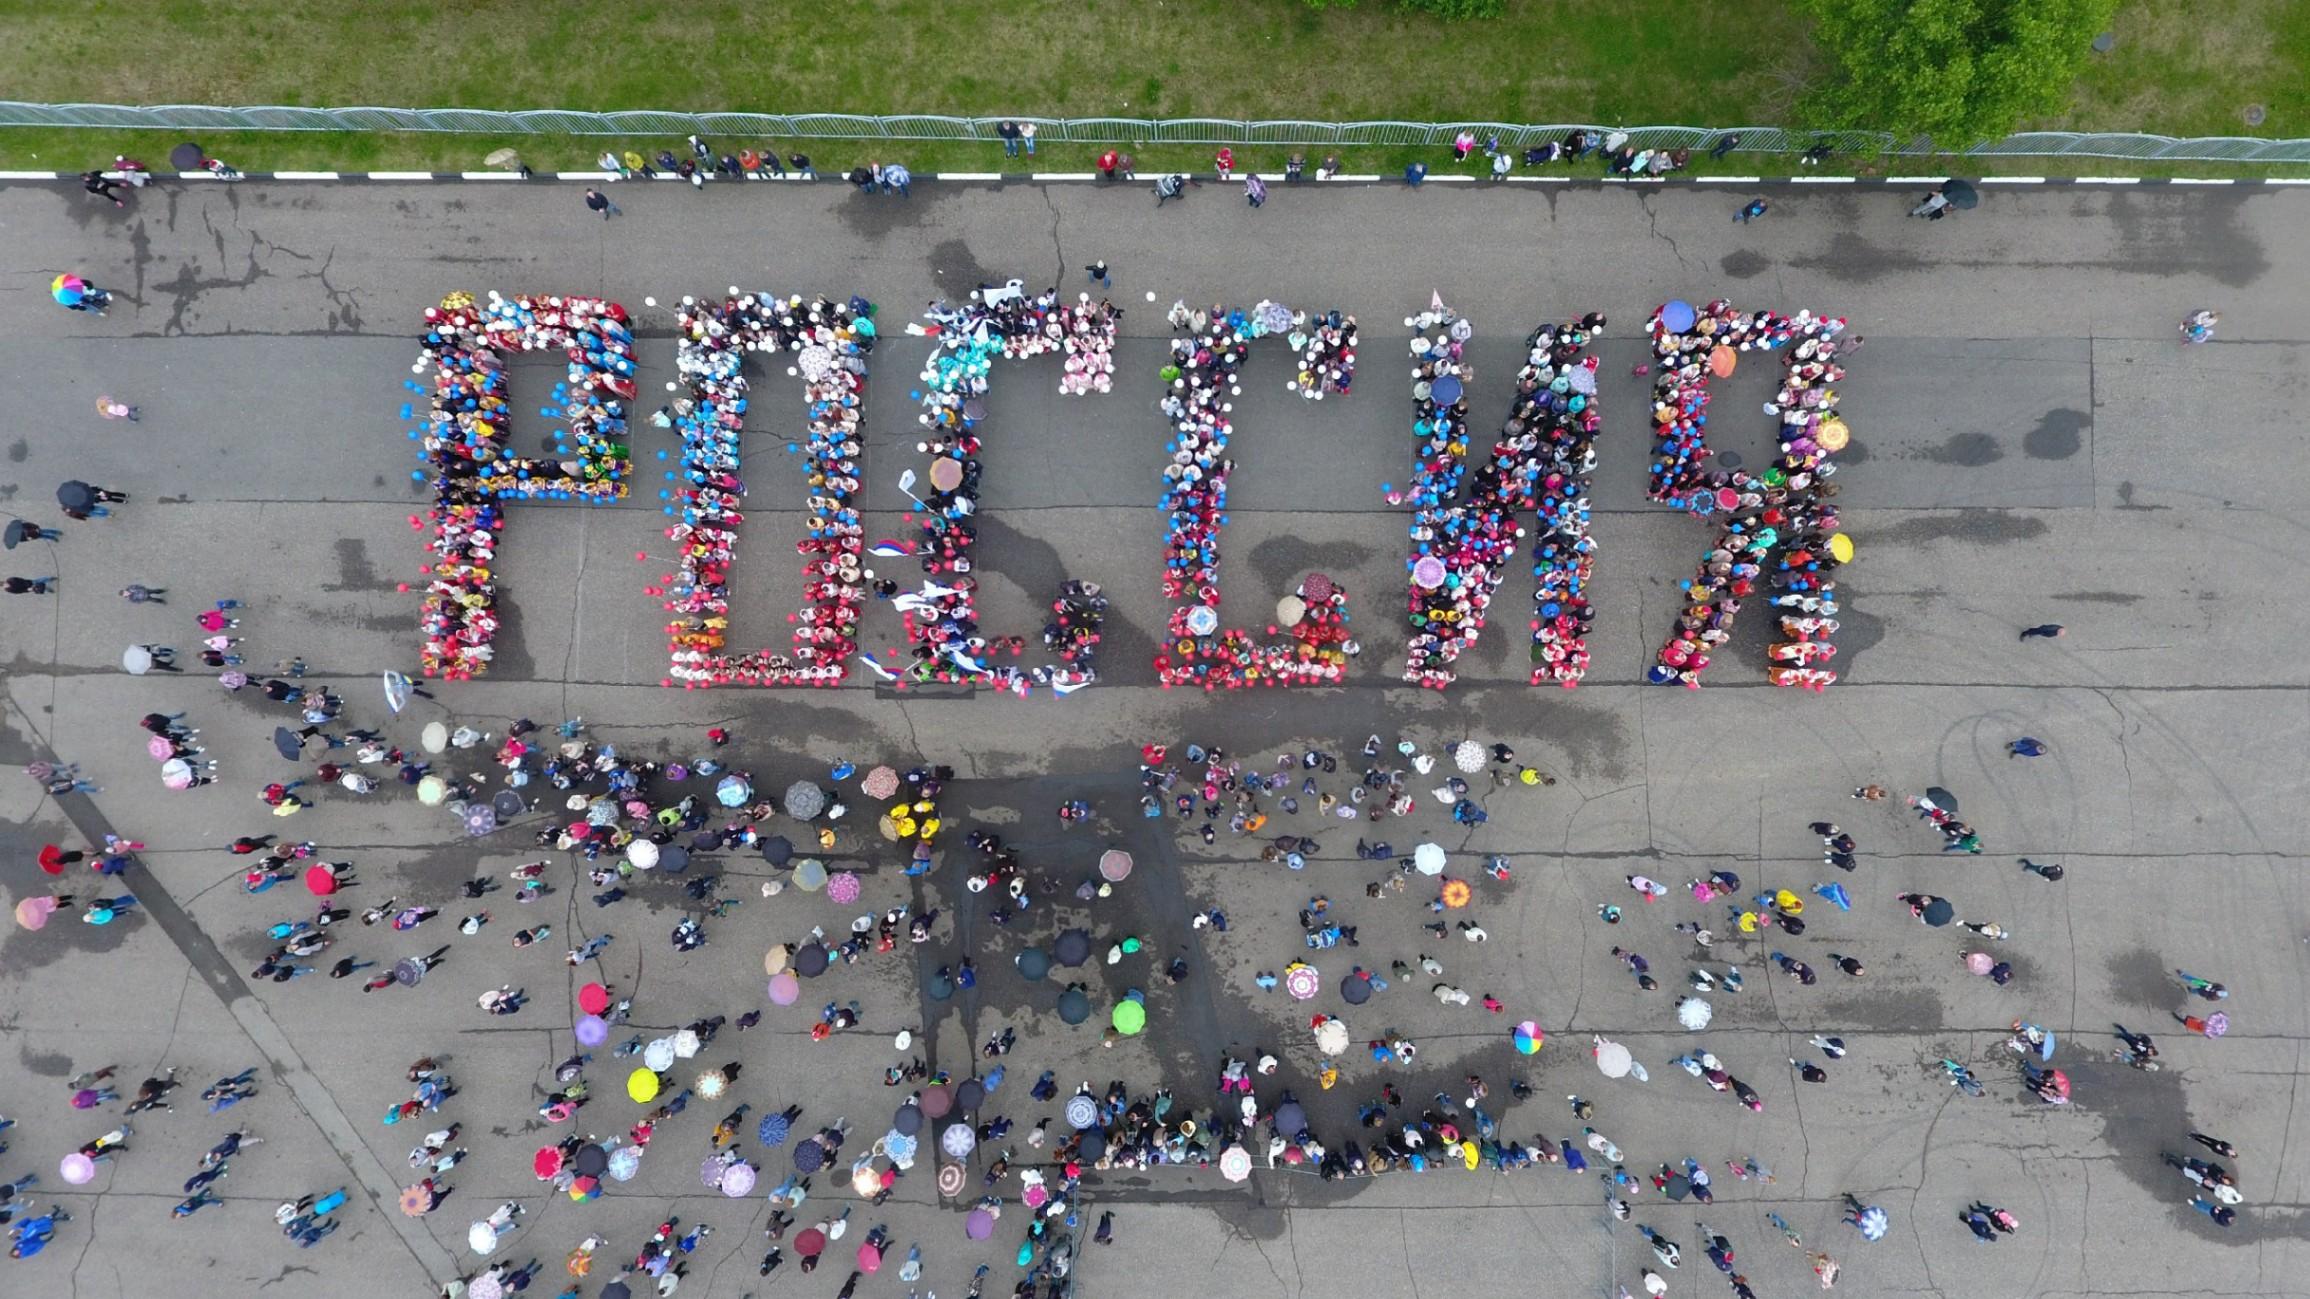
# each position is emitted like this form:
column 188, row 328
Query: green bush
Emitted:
column 1960, row 71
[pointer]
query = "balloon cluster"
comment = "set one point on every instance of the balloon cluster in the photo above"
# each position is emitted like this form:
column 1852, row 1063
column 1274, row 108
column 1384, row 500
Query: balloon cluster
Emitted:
column 1004, row 323
column 466, row 443
column 1207, row 353
column 829, row 342
column 1541, row 461
column 1778, row 524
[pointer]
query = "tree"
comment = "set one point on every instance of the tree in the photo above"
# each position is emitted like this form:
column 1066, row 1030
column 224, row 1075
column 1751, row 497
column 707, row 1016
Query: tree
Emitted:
column 1960, row 71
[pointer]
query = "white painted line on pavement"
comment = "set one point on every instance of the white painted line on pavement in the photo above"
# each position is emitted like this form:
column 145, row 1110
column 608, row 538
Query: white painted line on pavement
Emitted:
column 304, row 175
column 489, row 175
column 967, row 175
column 1821, row 180
column 1726, row 180
column 1916, row 180
column 2186, row 180
column 31, row 175
column 2109, row 180
column 399, row 175
column 585, row 175
column 1364, row 178
column 1453, row 180
column 2281, row 180
column 1066, row 175
column 2013, row 180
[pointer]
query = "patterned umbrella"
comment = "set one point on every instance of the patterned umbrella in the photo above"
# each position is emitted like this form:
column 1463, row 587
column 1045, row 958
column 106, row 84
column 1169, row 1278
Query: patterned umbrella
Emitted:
column 625, row 1161
column 1082, row 1111
column 881, row 782
column 738, row 1180
column 1301, row 980
column 842, row 887
column 1235, row 1163
column 1468, row 756
column 1114, row 865
column 958, row 1140
column 416, row 1201
column 772, row 1130
column 804, row 800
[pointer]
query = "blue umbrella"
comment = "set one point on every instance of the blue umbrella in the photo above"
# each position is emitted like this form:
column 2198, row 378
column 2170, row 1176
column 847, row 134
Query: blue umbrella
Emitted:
column 1873, row 1223
column 733, row 791
column 1445, row 390
column 772, row 1130
column 1835, row 892
column 1677, row 315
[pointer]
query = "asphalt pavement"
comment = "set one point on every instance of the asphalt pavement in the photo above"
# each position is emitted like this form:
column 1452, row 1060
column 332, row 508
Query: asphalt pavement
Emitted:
column 2032, row 445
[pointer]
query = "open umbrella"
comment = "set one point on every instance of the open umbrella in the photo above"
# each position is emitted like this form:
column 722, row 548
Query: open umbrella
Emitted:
column 804, row 800
column 712, row 1083
column 1529, row 1037
column 1938, row 912
column 481, row 1237
column 1677, row 315
column 1960, row 194
column 77, row 1169
column 434, row 737
column 432, row 791
column 1468, row 756
column 772, row 1130
column 969, row 1094
column 1979, row 963
column 710, row 1171
column 136, row 660
column 785, row 988
column 1114, row 865
column 1872, row 1222
column 810, row 875
column 1090, row 1145
column 733, row 791
column 958, row 1140
column 1694, row 1013
column 1428, row 858
column 1612, row 1059
column 979, row 1225
column 1032, row 963
column 546, row 1162
column 843, row 887
column 479, row 819
column 642, row 1086
column 937, row 1100
column 881, row 782
column 625, row 1161
column 396, row 691
column 811, row 960
column 1235, row 1163
column 1941, row 798
column 1356, row 989
column 1676, row 1186
column 176, row 773
column 1455, row 894
column 870, row 1257
column 685, row 1043
column 320, row 881
column 809, row 1156
column 1072, row 948
column 1428, row 573
column 409, row 971
column 1130, row 1017
column 810, row 1243
column 416, row 1201
column 659, row 1054
column 1301, row 980
column 591, row 1160
column 33, row 912
column 2217, row 1024
column 1331, row 1037
column 642, row 853
column 288, row 743
column 1082, row 1111
column 907, row 1120
column 68, row 289
column 777, row 850
column 159, row 748
column 1290, row 1119
column 593, row 998
column 485, row 1286
column 1074, row 1003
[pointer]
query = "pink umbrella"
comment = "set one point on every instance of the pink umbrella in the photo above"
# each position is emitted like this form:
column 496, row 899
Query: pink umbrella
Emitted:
column 738, row 1181
column 881, row 782
column 842, row 887
column 33, row 912
column 77, row 1169
column 1979, row 962
column 593, row 999
column 1114, row 865
column 784, row 988
column 160, row 748
column 870, row 1257
column 1301, row 981
column 320, row 881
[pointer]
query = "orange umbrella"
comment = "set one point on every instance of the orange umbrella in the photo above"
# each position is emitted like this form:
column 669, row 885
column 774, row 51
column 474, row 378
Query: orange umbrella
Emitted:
column 1456, row 893
column 1722, row 360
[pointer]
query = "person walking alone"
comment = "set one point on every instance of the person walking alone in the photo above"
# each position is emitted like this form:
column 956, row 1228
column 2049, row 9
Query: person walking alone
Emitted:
column 1755, row 209
column 600, row 202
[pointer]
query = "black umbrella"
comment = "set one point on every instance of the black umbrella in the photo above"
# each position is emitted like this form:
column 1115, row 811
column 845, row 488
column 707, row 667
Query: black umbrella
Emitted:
column 76, row 495
column 969, row 1094
column 673, row 859
column 908, row 1120
column 507, row 805
column 1033, row 963
column 1290, row 1119
column 940, row 987
column 777, row 850
column 591, row 1160
column 1960, row 194
column 1677, row 1186
column 188, row 157
column 1355, row 990
column 1941, row 798
column 290, row 744
column 811, row 961
column 1074, row 1006
column 1092, row 1145
column 1938, row 912
column 18, row 530
column 1072, row 948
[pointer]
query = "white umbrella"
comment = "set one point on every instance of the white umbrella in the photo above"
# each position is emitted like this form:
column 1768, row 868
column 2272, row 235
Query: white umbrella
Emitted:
column 659, row 1054
column 1694, row 1013
column 1613, row 1059
column 1332, row 1037
column 1235, row 1163
column 1468, row 756
column 685, row 1044
column 482, row 1237
column 136, row 660
column 642, row 853
column 1429, row 858
column 434, row 738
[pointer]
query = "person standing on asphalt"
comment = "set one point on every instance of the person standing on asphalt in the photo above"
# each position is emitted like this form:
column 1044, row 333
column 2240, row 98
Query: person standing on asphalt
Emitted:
column 26, row 585
column 1755, row 209
column 600, row 202
column 2048, row 630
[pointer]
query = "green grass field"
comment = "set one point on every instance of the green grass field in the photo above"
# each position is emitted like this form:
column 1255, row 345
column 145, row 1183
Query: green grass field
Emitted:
column 2177, row 69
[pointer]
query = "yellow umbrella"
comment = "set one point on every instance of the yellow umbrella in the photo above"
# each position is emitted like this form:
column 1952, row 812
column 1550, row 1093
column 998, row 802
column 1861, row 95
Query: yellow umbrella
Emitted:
column 642, row 1086
column 1833, row 434
column 1841, row 546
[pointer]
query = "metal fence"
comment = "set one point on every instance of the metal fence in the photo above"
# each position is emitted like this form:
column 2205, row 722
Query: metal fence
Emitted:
column 1104, row 130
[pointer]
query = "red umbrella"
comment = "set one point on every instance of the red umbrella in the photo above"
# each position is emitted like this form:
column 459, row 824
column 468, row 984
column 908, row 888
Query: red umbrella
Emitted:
column 870, row 1258
column 593, row 999
column 320, row 880
column 546, row 1163
column 52, row 859
column 2060, row 1083
column 811, row 1243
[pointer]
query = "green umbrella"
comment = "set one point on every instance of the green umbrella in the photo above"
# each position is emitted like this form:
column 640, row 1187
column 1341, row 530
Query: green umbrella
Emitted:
column 1130, row 1017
